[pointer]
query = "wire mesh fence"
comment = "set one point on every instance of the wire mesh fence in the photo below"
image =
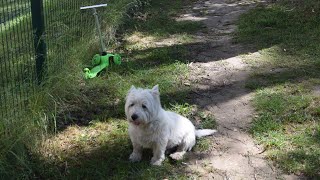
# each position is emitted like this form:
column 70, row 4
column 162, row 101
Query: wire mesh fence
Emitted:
column 17, row 72
column 64, row 25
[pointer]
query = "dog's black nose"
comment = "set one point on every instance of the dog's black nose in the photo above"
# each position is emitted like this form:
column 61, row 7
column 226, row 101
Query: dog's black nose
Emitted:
column 134, row 117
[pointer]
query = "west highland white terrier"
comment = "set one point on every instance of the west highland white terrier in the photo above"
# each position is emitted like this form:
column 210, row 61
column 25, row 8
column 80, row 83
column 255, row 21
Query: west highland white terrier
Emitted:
column 150, row 126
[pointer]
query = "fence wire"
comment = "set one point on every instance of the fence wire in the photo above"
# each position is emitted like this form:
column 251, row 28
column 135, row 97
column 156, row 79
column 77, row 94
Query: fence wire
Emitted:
column 17, row 70
column 64, row 27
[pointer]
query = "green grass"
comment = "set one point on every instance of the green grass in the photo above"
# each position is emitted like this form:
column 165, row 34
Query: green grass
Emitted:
column 161, row 24
column 98, row 151
column 286, row 74
column 201, row 119
column 33, row 112
column 101, row 150
column 76, row 127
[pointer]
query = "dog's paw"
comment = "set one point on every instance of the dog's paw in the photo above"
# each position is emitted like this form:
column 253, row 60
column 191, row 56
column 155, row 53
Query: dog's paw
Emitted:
column 134, row 157
column 156, row 163
column 177, row 155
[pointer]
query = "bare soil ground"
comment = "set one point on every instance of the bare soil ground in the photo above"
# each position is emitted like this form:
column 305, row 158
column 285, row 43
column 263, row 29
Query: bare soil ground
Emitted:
column 218, row 77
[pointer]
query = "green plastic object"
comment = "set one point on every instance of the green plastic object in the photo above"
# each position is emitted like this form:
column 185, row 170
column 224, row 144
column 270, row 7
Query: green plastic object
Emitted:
column 100, row 62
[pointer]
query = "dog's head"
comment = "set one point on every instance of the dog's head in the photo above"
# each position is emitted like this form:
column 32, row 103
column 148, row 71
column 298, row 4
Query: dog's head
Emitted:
column 142, row 105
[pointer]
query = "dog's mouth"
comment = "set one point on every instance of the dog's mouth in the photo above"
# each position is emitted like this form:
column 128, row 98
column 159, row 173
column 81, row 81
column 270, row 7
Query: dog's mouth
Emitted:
column 137, row 123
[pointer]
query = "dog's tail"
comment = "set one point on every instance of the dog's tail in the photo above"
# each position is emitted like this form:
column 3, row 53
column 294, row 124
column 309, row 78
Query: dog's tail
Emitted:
column 204, row 132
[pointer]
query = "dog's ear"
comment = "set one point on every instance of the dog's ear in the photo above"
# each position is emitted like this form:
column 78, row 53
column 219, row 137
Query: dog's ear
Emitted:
column 132, row 88
column 155, row 90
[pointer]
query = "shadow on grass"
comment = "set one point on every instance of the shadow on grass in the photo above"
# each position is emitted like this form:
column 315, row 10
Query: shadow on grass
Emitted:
column 290, row 26
column 190, row 52
column 277, row 75
column 108, row 161
column 300, row 161
column 100, row 108
column 265, row 28
column 266, row 31
column 100, row 102
column 157, row 18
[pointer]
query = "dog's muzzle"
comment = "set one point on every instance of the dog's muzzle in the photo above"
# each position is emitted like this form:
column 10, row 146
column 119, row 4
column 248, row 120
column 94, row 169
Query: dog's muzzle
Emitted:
column 134, row 118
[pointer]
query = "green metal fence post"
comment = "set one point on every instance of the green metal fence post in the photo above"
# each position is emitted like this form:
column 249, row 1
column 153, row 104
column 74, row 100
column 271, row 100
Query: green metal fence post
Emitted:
column 37, row 14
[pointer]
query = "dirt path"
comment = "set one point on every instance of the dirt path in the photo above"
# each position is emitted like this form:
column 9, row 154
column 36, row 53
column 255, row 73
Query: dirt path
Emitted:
column 218, row 77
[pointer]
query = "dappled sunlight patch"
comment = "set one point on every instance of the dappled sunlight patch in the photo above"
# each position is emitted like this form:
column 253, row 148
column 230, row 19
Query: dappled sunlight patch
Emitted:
column 186, row 110
column 169, row 75
column 279, row 60
column 288, row 125
column 101, row 150
column 141, row 41
column 254, row 59
column 283, row 102
column 190, row 17
column 272, row 58
column 284, row 76
column 76, row 140
column 200, row 171
column 201, row 120
column 275, row 66
column 203, row 145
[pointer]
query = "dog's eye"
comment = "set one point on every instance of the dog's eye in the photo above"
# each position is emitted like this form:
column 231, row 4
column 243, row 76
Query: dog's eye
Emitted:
column 131, row 105
column 144, row 106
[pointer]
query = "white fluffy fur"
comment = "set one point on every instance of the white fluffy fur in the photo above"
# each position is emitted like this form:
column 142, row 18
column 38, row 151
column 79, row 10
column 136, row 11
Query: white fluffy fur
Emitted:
column 150, row 126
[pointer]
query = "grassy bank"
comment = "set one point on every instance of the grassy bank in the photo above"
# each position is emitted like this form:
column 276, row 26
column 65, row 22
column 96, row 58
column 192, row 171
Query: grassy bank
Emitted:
column 77, row 127
column 286, row 81
column 92, row 138
column 30, row 113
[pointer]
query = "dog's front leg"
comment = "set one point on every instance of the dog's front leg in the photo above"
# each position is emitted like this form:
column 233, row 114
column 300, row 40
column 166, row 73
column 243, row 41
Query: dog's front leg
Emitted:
column 136, row 154
column 158, row 154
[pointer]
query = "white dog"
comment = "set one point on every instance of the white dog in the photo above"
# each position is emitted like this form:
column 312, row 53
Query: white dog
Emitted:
column 150, row 126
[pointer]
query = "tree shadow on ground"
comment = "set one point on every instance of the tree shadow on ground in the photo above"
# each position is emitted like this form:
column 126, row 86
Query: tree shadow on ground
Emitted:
column 190, row 52
column 108, row 161
column 198, row 52
column 298, row 159
column 112, row 160
column 157, row 19
column 294, row 63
